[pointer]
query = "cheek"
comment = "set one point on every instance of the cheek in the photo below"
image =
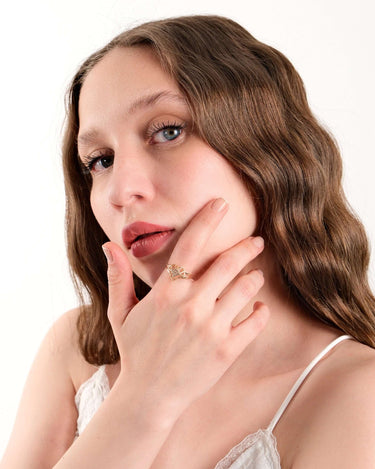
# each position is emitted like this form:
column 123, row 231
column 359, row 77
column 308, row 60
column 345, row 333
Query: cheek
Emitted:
column 207, row 175
column 95, row 207
column 195, row 179
column 101, row 213
column 239, row 223
column 220, row 180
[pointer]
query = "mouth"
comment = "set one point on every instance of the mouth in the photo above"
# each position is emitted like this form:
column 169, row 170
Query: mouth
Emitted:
column 143, row 238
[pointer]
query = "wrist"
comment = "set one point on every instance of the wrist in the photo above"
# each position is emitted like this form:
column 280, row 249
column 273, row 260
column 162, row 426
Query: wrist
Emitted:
column 145, row 406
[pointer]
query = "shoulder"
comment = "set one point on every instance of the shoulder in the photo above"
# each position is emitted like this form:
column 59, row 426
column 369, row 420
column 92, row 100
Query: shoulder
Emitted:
column 338, row 418
column 349, row 374
column 61, row 341
column 61, row 344
column 62, row 336
column 47, row 417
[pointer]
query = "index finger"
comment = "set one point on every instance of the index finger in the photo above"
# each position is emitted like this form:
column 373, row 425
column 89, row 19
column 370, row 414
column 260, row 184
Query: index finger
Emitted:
column 195, row 236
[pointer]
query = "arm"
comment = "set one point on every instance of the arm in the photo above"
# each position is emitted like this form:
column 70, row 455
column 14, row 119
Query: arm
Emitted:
column 45, row 426
column 126, row 431
column 46, row 419
column 174, row 346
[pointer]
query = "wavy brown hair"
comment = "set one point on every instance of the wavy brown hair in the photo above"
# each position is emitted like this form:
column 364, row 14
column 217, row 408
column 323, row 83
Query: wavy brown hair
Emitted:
column 249, row 104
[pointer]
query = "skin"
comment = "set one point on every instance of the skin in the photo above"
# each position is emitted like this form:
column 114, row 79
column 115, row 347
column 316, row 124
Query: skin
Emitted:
column 234, row 378
column 153, row 179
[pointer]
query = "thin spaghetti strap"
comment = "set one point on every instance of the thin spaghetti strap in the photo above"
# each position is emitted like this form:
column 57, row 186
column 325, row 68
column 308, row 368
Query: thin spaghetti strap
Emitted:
column 301, row 379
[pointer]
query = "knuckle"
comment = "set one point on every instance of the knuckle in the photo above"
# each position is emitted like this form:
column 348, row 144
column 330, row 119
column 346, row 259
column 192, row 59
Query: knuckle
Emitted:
column 161, row 299
column 226, row 263
column 173, row 295
column 223, row 353
column 250, row 284
column 113, row 277
column 215, row 331
column 247, row 289
column 188, row 246
column 190, row 313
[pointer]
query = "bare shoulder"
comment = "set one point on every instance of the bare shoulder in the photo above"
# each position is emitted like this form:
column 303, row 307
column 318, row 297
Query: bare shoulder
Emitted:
column 338, row 418
column 62, row 336
column 348, row 374
column 46, row 420
column 62, row 343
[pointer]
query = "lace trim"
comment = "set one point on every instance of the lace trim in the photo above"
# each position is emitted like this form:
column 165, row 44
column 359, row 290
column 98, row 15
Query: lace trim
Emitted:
column 92, row 393
column 269, row 450
column 90, row 396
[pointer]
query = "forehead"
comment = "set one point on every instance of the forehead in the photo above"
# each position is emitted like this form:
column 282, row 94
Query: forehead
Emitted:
column 123, row 76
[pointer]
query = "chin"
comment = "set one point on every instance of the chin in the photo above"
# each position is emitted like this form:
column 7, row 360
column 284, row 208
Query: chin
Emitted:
column 150, row 274
column 151, row 278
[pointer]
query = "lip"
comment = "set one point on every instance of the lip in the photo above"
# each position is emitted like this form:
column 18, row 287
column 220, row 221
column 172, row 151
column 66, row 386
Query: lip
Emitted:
column 144, row 238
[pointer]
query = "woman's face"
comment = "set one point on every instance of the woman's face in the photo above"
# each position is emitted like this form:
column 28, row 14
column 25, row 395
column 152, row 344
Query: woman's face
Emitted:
column 147, row 165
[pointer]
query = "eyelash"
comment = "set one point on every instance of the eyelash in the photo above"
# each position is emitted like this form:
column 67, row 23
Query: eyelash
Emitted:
column 159, row 127
column 89, row 161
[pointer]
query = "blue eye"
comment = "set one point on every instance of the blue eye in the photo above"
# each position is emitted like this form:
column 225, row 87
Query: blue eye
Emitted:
column 166, row 133
column 171, row 133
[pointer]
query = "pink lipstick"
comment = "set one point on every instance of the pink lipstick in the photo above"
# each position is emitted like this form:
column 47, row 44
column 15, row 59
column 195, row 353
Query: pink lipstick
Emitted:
column 144, row 238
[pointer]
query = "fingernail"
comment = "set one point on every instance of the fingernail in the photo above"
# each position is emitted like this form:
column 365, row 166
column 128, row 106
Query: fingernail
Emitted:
column 219, row 204
column 107, row 254
column 258, row 242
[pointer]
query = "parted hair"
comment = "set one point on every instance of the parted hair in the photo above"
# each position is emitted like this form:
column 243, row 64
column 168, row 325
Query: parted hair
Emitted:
column 249, row 104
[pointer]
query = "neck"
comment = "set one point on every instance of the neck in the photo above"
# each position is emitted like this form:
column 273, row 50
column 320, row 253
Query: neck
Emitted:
column 291, row 338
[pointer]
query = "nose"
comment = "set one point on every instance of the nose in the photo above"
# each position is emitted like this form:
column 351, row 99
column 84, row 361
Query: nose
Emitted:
column 131, row 180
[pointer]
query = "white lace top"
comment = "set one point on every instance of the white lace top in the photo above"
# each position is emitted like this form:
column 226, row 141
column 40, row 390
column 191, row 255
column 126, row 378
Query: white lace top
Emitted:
column 256, row 451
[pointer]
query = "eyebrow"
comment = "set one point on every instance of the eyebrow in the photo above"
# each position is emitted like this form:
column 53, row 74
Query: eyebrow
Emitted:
column 145, row 101
column 154, row 98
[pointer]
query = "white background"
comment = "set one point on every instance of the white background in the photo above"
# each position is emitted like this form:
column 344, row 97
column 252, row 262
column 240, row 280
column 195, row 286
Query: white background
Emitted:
column 331, row 43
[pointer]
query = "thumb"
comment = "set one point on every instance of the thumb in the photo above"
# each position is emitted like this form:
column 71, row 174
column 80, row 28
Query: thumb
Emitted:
column 122, row 297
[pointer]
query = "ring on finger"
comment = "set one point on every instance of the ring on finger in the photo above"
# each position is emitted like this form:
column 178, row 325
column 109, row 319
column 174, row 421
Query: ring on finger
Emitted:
column 176, row 271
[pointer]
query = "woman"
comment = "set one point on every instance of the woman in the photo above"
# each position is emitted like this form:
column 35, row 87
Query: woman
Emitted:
column 191, row 154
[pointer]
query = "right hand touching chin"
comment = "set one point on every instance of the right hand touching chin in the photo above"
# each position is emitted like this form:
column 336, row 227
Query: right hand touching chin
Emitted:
column 178, row 340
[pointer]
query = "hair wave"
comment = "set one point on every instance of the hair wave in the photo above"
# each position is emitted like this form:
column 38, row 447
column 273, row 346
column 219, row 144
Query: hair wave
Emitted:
column 249, row 104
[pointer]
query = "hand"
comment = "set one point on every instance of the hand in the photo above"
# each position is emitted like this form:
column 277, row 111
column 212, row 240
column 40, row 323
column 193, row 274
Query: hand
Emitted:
column 178, row 341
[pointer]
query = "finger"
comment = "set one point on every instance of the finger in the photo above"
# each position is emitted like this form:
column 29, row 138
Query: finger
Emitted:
column 121, row 291
column 247, row 330
column 195, row 236
column 228, row 265
column 239, row 295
